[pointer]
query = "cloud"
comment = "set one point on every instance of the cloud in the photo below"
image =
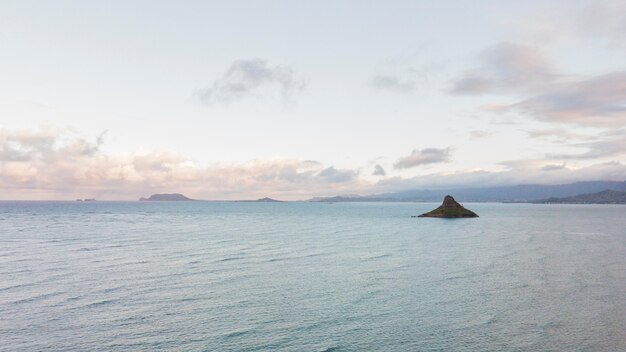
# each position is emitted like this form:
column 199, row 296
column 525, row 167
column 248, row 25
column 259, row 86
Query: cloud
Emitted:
column 255, row 77
column 473, row 84
column 602, row 19
column 547, row 133
column 553, row 167
column 523, row 71
column 506, row 67
column 520, row 172
column 393, row 84
column 607, row 144
column 58, row 164
column 379, row 171
column 423, row 157
column 24, row 145
column 559, row 135
column 599, row 100
column 332, row 175
column 157, row 162
column 480, row 134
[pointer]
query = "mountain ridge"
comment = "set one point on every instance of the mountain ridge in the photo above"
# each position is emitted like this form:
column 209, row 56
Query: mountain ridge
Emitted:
column 517, row 193
column 604, row 197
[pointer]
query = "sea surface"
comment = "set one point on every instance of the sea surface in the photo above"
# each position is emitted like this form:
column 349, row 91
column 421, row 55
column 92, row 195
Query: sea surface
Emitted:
column 226, row 276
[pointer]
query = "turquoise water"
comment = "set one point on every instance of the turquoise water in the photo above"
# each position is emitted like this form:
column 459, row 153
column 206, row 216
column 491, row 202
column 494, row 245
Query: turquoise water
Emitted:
column 213, row 276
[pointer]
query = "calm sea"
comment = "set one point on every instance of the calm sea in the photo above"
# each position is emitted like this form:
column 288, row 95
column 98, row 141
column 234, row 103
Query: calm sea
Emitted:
column 220, row 276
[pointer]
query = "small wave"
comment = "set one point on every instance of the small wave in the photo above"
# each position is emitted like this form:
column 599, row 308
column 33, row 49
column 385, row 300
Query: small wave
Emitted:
column 281, row 259
column 386, row 255
column 7, row 288
column 189, row 299
column 74, row 298
column 331, row 349
column 238, row 333
column 87, row 249
column 228, row 259
column 117, row 246
column 99, row 303
column 37, row 298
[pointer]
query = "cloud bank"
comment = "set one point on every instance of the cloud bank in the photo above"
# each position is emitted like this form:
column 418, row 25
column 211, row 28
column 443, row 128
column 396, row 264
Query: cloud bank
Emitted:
column 523, row 172
column 56, row 164
column 60, row 164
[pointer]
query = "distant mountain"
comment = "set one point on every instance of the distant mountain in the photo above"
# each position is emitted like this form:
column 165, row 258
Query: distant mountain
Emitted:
column 166, row 197
column 262, row 200
column 519, row 193
column 269, row 200
column 605, row 197
column 350, row 199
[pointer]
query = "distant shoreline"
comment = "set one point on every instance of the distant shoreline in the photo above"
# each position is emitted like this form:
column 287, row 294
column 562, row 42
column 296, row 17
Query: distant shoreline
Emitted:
column 296, row 201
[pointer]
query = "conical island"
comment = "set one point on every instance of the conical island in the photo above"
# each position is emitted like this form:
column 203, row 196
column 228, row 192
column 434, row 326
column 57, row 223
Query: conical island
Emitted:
column 449, row 209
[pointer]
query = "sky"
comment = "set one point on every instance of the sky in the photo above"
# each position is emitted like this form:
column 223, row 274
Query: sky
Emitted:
column 295, row 99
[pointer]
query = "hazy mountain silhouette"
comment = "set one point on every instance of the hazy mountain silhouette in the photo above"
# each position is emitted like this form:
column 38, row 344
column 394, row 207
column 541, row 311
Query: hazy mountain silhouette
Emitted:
column 518, row 193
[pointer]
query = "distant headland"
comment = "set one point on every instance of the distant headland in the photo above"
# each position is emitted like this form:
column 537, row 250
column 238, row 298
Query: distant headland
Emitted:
column 450, row 208
column 522, row 193
column 605, row 197
column 166, row 197
column 263, row 200
column 267, row 199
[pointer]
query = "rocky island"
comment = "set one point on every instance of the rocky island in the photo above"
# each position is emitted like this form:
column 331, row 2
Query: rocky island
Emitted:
column 166, row 197
column 449, row 209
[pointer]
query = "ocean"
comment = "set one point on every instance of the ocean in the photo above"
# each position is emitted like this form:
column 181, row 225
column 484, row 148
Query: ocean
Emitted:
column 235, row 276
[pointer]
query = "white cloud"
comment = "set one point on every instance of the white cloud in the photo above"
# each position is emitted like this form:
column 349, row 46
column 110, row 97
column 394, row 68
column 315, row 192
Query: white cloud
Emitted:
column 58, row 164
